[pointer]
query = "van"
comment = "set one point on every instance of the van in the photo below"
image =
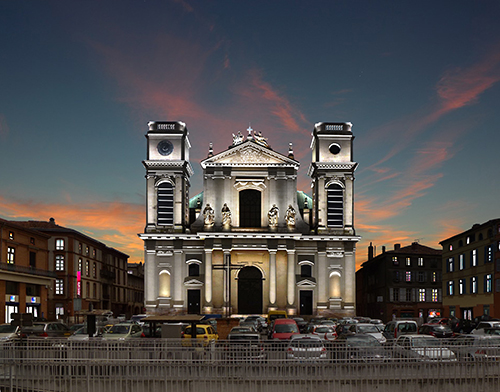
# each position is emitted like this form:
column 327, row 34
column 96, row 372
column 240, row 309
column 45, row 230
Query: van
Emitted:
column 275, row 314
column 396, row 328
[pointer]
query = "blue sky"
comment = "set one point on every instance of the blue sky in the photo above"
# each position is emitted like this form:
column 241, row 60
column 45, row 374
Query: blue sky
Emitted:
column 79, row 80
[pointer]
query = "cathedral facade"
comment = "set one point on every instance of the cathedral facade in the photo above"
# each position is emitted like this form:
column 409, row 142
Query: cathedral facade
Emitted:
column 250, row 242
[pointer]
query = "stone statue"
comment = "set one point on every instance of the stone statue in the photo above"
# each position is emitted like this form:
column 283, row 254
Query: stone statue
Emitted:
column 209, row 215
column 290, row 216
column 226, row 215
column 273, row 216
column 260, row 139
column 238, row 138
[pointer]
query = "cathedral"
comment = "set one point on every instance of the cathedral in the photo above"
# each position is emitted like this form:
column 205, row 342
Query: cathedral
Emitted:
column 250, row 242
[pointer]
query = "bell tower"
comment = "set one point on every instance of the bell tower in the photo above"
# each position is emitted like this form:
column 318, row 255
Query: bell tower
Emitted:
column 332, row 172
column 167, row 177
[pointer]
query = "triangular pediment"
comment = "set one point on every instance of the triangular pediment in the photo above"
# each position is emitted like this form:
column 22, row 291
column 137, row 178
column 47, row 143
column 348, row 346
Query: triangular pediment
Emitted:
column 248, row 153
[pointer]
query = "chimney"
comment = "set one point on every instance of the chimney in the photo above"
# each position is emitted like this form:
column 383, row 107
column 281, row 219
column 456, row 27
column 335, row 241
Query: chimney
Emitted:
column 370, row 251
column 414, row 245
column 397, row 246
column 383, row 248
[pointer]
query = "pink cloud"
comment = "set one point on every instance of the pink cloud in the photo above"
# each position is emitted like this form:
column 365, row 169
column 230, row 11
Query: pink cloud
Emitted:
column 115, row 223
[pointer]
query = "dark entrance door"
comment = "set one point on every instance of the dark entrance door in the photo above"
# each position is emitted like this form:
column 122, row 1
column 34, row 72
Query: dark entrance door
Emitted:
column 250, row 291
column 250, row 208
column 306, row 302
column 194, row 299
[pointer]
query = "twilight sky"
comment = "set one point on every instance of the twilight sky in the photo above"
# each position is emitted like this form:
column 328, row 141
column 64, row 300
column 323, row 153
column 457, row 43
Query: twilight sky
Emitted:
column 79, row 81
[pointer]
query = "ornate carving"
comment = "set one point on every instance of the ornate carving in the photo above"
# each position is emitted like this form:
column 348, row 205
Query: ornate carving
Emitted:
column 226, row 215
column 290, row 216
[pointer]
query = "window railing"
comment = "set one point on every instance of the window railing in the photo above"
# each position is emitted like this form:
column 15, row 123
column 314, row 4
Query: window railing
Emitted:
column 27, row 270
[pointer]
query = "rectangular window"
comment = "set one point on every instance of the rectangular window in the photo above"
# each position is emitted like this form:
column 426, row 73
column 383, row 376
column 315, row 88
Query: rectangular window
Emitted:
column 11, row 255
column 11, row 235
column 435, row 295
column 450, row 287
column 408, row 295
column 32, row 241
column 87, row 268
column 59, row 263
column 421, row 295
column 421, row 276
column 59, row 244
column 94, row 270
column 408, row 276
column 473, row 258
column 396, row 276
column 451, row 264
column 408, row 262
column 434, row 277
column 395, row 295
column 461, row 286
column 488, row 283
column 473, row 285
column 488, row 254
column 59, row 286
column 461, row 261
column 80, row 264
column 33, row 259
column 420, row 261
column 87, row 250
column 395, row 260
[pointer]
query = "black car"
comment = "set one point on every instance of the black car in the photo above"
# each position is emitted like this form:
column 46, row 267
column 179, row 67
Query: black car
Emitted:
column 359, row 348
column 437, row 330
column 301, row 323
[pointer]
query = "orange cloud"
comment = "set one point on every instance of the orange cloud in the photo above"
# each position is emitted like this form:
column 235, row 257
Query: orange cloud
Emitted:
column 116, row 224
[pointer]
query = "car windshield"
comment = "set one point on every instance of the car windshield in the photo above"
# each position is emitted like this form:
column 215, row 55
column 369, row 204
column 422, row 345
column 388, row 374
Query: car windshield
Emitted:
column 119, row 329
column 244, row 337
column 367, row 329
column 425, row 342
column 7, row 328
column 286, row 328
column 324, row 330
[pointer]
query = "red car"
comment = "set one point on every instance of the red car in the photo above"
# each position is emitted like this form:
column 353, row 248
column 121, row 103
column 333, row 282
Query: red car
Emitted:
column 283, row 329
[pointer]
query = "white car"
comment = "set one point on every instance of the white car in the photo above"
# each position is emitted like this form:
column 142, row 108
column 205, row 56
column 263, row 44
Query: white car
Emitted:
column 123, row 332
column 306, row 348
column 422, row 348
column 9, row 332
column 479, row 330
column 368, row 329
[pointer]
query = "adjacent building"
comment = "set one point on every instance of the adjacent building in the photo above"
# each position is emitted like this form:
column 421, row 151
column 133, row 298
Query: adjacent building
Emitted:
column 86, row 274
column 25, row 278
column 251, row 241
column 471, row 276
column 401, row 283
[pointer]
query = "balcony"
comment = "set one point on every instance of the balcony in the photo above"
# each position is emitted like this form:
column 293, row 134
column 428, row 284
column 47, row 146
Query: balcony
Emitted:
column 27, row 270
column 107, row 274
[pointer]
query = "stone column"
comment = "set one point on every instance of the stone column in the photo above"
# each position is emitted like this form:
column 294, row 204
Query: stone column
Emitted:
column 291, row 278
column 323, row 279
column 272, row 277
column 349, row 296
column 151, row 277
column 208, row 277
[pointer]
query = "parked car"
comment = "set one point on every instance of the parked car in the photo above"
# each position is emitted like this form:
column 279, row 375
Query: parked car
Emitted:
column 437, row 329
column 473, row 347
column 359, row 348
column 301, row 323
column 369, row 329
column 395, row 328
column 260, row 321
column 274, row 315
column 306, row 348
column 245, row 347
column 283, row 329
column 123, row 331
column 136, row 318
column 82, row 334
column 205, row 334
column 47, row 329
column 479, row 330
column 326, row 332
column 9, row 332
column 422, row 348
column 492, row 331
column 242, row 329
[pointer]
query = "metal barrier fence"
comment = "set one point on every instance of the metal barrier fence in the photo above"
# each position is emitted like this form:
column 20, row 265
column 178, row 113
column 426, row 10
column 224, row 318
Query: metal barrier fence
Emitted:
column 185, row 366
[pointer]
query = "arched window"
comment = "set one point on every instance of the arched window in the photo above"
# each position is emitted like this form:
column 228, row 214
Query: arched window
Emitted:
column 250, row 208
column 335, row 205
column 165, row 204
column 164, row 284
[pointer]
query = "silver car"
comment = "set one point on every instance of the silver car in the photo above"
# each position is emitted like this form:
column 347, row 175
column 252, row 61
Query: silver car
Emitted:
column 306, row 348
column 422, row 348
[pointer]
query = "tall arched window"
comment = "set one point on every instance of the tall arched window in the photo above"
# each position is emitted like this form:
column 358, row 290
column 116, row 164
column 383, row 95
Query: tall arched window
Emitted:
column 250, row 208
column 165, row 204
column 335, row 205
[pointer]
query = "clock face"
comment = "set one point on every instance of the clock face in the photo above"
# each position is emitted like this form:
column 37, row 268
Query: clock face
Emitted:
column 165, row 147
column 334, row 148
